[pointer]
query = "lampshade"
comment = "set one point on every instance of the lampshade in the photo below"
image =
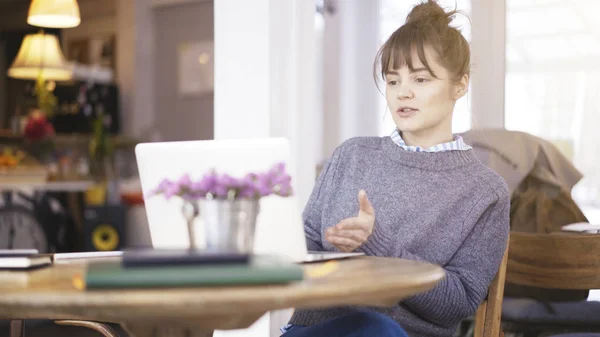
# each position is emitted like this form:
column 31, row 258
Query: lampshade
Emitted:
column 40, row 54
column 54, row 13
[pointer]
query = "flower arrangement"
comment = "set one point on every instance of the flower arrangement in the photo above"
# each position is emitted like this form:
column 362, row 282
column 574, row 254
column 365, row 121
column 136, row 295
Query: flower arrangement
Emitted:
column 38, row 128
column 39, row 136
column 225, row 187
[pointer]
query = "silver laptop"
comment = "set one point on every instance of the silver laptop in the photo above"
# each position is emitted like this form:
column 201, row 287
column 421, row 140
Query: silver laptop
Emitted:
column 314, row 256
column 279, row 228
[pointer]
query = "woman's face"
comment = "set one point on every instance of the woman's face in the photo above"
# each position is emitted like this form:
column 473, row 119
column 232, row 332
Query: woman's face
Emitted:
column 419, row 102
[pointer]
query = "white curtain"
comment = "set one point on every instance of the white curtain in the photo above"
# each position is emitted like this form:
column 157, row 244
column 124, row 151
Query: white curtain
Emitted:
column 563, row 107
column 587, row 157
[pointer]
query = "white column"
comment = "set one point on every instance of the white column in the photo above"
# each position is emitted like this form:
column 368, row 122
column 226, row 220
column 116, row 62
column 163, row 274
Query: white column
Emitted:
column 351, row 97
column 242, row 64
column 265, row 76
column 331, row 79
column 135, row 65
column 488, row 58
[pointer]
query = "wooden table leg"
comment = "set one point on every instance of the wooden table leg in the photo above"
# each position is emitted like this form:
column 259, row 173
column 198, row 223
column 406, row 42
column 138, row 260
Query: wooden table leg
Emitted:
column 17, row 328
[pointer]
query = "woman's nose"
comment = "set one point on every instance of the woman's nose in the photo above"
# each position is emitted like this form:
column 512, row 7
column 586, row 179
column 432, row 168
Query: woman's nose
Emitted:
column 405, row 92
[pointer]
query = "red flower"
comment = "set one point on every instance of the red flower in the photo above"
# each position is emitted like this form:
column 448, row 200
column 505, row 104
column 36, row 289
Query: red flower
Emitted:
column 38, row 128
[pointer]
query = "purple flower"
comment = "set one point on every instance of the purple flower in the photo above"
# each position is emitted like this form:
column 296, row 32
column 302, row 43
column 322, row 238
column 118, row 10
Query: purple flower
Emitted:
column 264, row 189
column 247, row 188
column 282, row 185
column 162, row 186
column 285, row 190
column 277, row 169
column 248, row 192
column 250, row 177
column 282, row 179
column 225, row 185
column 212, row 185
column 171, row 190
column 206, row 185
column 228, row 181
column 184, row 181
column 264, row 184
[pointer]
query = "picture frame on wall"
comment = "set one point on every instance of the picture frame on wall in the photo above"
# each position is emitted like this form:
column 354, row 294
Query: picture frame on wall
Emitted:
column 195, row 68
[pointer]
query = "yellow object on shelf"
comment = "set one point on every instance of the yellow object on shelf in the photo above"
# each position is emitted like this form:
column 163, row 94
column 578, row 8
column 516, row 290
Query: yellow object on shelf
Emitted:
column 96, row 195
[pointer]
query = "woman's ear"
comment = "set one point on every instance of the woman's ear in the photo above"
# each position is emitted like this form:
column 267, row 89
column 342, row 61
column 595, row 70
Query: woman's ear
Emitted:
column 460, row 88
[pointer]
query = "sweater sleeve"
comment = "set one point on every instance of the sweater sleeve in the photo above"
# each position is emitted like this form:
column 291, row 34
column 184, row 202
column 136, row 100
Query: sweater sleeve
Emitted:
column 472, row 268
column 312, row 213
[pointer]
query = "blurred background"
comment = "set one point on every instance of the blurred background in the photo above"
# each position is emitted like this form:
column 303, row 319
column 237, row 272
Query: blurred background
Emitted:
column 83, row 81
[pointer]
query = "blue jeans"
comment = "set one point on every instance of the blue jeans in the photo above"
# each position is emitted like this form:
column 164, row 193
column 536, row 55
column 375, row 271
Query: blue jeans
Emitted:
column 359, row 324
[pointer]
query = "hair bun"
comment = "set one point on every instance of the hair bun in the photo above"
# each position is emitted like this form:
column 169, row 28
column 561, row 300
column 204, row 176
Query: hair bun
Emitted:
column 429, row 12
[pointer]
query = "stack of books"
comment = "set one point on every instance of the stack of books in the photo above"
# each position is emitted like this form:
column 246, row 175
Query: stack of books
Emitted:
column 186, row 268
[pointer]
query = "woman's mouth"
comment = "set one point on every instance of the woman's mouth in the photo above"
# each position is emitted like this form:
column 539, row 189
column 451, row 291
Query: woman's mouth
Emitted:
column 406, row 112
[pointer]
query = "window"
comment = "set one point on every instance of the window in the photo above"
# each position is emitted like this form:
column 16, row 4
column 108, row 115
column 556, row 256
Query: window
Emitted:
column 393, row 15
column 552, row 83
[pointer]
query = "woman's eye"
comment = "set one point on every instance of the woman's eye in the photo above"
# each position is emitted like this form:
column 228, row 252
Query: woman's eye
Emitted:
column 393, row 82
column 421, row 80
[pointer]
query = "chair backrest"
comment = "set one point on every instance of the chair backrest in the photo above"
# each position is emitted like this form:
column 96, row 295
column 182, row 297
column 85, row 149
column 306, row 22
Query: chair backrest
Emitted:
column 555, row 260
column 487, row 318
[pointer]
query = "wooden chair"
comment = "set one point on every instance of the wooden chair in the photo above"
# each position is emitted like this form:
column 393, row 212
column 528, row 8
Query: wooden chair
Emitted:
column 554, row 261
column 487, row 318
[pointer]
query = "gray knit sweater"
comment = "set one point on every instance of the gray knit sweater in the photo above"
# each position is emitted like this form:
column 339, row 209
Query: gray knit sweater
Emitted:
column 446, row 208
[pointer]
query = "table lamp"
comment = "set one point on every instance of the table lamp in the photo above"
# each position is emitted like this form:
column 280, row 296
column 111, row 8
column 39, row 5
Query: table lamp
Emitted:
column 54, row 13
column 40, row 58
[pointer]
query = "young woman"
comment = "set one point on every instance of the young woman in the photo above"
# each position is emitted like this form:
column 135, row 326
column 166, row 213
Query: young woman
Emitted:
column 422, row 193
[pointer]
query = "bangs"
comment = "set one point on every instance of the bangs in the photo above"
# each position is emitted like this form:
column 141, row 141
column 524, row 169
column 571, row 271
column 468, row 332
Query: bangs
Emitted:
column 398, row 51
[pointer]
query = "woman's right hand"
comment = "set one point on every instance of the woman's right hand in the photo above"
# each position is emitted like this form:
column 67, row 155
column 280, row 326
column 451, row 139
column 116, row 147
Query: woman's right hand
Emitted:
column 351, row 233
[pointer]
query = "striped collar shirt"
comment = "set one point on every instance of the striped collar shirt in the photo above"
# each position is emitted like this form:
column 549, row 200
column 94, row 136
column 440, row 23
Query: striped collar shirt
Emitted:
column 458, row 144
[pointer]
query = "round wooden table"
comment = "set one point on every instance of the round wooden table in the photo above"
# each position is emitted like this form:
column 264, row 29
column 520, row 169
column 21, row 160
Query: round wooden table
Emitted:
column 50, row 294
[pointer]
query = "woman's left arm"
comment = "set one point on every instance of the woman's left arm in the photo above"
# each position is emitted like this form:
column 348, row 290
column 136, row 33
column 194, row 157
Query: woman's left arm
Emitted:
column 472, row 268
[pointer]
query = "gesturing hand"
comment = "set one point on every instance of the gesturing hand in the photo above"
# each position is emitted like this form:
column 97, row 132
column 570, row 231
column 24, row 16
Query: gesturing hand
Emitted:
column 351, row 233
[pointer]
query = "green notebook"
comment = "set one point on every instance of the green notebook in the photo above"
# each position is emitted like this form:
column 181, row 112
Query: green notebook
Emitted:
column 260, row 270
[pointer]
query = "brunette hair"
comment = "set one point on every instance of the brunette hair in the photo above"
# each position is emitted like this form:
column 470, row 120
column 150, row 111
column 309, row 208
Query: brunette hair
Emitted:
column 426, row 25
